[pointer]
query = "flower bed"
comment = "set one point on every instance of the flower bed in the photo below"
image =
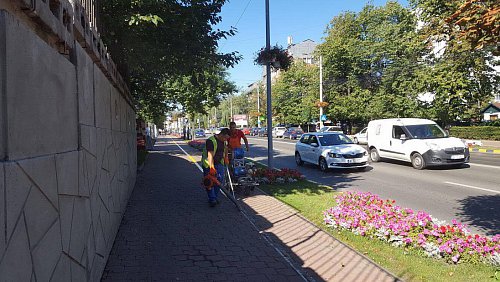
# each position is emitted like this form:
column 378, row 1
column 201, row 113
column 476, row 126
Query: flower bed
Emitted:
column 365, row 214
column 198, row 144
column 271, row 176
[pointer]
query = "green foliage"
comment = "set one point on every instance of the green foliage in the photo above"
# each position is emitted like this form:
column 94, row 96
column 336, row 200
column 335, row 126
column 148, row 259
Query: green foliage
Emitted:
column 167, row 44
column 276, row 55
column 465, row 25
column 476, row 132
column 371, row 60
column 295, row 93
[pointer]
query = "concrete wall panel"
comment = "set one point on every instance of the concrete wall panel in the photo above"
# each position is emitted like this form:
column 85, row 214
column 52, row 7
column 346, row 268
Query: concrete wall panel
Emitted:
column 115, row 109
column 39, row 215
column 66, row 204
column 2, row 210
column 47, row 253
column 80, row 229
column 67, row 173
column 85, row 76
column 40, row 95
column 17, row 188
column 3, row 77
column 42, row 172
column 62, row 273
column 16, row 264
column 67, row 159
column 103, row 99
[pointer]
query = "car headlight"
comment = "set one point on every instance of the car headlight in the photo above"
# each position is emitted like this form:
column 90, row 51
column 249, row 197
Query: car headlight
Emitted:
column 433, row 146
column 334, row 155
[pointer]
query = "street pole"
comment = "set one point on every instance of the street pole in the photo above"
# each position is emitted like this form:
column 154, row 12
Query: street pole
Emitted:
column 258, row 106
column 320, row 90
column 231, row 106
column 268, row 83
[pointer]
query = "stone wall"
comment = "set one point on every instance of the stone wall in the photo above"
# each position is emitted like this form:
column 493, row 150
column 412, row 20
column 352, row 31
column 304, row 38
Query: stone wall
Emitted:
column 67, row 151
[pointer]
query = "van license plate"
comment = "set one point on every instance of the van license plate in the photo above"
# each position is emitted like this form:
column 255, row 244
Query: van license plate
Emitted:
column 456, row 157
column 349, row 161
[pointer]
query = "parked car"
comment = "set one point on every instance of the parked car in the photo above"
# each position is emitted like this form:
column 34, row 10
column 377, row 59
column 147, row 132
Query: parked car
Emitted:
column 218, row 130
column 199, row 133
column 330, row 150
column 361, row 137
column 293, row 133
column 421, row 142
column 263, row 131
column 246, row 130
column 254, row 131
column 278, row 131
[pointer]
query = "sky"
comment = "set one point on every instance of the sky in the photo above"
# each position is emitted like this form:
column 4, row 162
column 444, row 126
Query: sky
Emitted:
column 300, row 19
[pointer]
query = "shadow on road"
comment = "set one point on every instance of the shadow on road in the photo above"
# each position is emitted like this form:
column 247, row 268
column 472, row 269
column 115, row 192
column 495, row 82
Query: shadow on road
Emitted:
column 480, row 211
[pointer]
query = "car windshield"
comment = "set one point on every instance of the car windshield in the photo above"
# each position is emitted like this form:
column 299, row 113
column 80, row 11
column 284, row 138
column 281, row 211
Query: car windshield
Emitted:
column 334, row 139
column 426, row 131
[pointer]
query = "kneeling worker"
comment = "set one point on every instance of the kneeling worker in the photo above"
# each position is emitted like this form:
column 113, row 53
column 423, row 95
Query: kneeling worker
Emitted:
column 213, row 160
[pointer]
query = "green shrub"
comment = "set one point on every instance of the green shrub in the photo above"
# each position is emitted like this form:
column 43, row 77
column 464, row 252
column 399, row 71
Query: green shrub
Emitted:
column 476, row 132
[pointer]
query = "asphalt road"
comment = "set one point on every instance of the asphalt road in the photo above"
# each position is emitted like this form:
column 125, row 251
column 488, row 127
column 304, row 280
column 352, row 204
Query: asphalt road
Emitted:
column 470, row 194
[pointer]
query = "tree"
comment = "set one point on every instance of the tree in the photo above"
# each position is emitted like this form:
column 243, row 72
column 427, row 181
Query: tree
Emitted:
column 465, row 25
column 460, row 65
column 371, row 59
column 295, row 93
column 161, row 45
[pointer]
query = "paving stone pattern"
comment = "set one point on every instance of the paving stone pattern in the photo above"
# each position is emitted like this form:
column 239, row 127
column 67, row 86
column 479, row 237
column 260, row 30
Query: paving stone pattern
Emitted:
column 169, row 233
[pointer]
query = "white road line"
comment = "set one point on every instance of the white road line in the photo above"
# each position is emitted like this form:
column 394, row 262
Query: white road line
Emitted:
column 473, row 187
column 262, row 233
column 189, row 156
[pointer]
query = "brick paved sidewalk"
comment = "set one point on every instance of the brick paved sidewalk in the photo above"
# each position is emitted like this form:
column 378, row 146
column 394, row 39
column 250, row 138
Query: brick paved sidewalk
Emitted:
column 169, row 233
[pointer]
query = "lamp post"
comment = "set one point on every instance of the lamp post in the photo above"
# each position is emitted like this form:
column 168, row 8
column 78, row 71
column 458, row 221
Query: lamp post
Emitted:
column 268, row 83
column 258, row 106
column 321, row 91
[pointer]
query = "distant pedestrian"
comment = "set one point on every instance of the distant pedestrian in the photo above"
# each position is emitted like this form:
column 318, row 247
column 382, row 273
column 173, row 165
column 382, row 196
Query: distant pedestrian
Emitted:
column 236, row 136
column 214, row 158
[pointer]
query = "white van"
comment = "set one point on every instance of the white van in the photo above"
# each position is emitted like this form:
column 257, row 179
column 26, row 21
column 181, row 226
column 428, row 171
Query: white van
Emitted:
column 419, row 141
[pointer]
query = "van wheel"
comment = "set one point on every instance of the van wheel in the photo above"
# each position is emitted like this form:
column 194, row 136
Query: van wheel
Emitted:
column 323, row 165
column 356, row 140
column 417, row 161
column 298, row 159
column 374, row 156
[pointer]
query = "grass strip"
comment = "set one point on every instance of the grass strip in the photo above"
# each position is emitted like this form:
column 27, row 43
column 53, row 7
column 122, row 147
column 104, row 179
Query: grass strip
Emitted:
column 311, row 199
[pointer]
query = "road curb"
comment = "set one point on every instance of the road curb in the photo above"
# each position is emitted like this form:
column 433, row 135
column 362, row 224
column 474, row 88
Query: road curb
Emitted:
column 496, row 151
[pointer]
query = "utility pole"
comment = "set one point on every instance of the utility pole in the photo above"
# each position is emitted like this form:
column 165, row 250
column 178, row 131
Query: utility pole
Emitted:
column 231, row 107
column 258, row 106
column 320, row 90
column 268, row 83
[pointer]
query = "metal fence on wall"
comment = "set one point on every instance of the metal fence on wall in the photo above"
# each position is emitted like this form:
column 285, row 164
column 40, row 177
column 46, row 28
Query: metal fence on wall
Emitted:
column 93, row 10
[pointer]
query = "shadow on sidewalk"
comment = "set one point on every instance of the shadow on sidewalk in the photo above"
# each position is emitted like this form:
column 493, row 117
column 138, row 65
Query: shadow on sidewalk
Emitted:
column 169, row 232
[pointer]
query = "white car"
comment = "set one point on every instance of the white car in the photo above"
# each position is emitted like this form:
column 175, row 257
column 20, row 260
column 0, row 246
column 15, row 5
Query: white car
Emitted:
column 331, row 129
column 278, row 131
column 330, row 150
column 361, row 137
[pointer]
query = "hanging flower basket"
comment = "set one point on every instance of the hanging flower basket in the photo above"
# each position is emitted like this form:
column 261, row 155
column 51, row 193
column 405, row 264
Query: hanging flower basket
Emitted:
column 277, row 56
column 321, row 104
